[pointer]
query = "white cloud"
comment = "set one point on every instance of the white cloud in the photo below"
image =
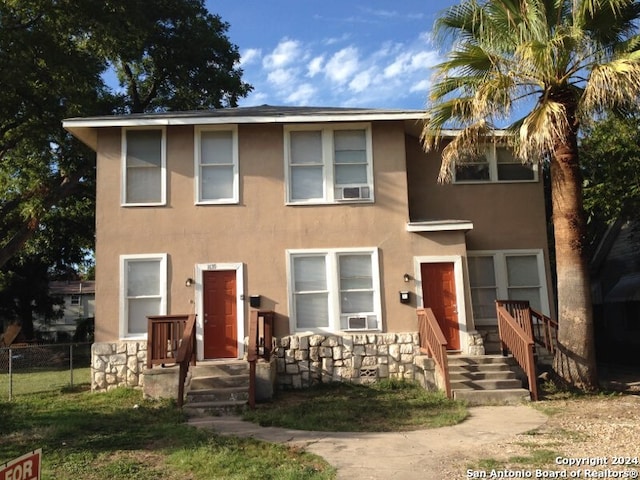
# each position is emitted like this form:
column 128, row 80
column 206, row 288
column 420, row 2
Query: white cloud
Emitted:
column 315, row 66
column 360, row 82
column 303, row 95
column 250, row 56
column 281, row 76
column 422, row 86
column 285, row 53
column 342, row 65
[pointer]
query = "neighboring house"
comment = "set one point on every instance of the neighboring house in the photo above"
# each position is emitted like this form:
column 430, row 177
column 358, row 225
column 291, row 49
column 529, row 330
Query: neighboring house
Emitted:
column 79, row 303
column 615, row 279
column 330, row 215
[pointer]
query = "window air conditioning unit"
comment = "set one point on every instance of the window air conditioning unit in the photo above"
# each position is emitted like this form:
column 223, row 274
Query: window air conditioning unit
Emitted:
column 362, row 192
column 357, row 323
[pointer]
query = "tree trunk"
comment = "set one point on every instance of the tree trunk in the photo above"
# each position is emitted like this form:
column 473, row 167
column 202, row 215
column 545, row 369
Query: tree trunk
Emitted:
column 575, row 360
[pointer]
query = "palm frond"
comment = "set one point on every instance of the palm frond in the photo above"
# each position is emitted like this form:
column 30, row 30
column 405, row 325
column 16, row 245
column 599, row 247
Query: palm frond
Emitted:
column 542, row 130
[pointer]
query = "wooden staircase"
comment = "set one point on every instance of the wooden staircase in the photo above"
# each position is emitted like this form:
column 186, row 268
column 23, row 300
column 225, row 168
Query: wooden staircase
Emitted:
column 220, row 386
column 486, row 380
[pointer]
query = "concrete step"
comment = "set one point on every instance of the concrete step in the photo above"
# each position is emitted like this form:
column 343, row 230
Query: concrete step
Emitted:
column 220, row 368
column 232, row 394
column 206, row 409
column 202, row 382
column 485, row 384
column 466, row 360
column 486, row 380
column 219, row 386
column 511, row 396
column 505, row 374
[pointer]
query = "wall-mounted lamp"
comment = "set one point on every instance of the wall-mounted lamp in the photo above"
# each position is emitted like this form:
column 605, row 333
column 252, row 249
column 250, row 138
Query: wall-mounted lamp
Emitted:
column 407, row 277
column 188, row 282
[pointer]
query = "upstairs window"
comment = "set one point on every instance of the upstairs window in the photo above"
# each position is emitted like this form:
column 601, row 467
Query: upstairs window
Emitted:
column 216, row 165
column 329, row 164
column 144, row 167
column 494, row 163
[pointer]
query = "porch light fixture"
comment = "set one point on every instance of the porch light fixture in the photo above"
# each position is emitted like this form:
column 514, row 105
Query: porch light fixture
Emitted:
column 188, row 282
column 407, row 277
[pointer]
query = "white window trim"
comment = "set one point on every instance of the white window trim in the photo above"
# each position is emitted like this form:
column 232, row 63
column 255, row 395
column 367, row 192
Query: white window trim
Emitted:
column 328, row 187
column 500, row 270
column 240, row 303
column 492, row 157
column 333, row 286
column 163, row 168
column 124, row 310
column 196, row 167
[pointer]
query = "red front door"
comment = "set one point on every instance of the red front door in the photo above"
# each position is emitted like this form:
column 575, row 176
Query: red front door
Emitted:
column 439, row 294
column 220, row 319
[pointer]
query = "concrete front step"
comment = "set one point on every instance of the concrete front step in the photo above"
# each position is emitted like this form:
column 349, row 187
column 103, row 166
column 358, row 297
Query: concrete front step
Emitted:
column 486, row 380
column 485, row 384
column 506, row 374
column 232, row 394
column 511, row 396
column 202, row 382
column 219, row 386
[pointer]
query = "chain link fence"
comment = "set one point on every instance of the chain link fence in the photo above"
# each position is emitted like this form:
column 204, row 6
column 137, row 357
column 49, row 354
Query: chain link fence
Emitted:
column 30, row 368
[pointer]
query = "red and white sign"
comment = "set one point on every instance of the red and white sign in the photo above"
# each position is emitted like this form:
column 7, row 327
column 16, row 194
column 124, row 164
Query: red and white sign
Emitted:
column 27, row 467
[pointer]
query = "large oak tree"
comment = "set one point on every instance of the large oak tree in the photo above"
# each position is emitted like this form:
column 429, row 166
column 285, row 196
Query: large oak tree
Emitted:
column 54, row 55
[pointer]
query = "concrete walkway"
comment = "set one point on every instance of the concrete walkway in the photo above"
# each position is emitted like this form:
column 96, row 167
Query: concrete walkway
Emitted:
column 419, row 455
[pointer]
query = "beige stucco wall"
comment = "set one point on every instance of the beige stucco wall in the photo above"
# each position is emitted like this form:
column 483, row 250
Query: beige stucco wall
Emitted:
column 258, row 230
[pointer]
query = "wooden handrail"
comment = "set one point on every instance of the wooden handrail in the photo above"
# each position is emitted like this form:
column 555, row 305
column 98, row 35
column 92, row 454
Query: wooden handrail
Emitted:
column 514, row 337
column 538, row 326
column 434, row 344
column 186, row 355
column 163, row 338
column 260, row 345
column 549, row 335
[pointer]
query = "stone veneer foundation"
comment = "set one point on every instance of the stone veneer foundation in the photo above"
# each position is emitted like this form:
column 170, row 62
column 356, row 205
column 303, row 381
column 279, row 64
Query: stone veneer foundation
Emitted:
column 117, row 364
column 305, row 360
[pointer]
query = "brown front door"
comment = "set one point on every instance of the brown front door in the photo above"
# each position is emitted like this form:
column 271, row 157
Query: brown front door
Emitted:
column 439, row 294
column 220, row 319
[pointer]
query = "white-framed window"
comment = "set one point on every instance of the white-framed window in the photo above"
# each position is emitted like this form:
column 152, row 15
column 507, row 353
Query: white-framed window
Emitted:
column 75, row 299
column 216, row 165
column 494, row 163
column 335, row 289
column 328, row 164
column 143, row 166
column 143, row 291
column 506, row 275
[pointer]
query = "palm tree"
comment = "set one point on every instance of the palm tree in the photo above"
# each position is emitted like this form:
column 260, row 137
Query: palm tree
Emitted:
column 564, row 61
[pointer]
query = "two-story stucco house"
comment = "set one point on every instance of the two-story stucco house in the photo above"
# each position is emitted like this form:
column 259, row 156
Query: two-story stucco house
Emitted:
column 333, row 216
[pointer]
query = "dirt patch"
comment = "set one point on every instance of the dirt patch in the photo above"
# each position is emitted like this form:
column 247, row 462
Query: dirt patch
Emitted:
column 595, row 433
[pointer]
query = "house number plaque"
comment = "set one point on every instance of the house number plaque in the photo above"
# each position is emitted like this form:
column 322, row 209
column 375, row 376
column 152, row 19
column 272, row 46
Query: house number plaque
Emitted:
column 212, row 266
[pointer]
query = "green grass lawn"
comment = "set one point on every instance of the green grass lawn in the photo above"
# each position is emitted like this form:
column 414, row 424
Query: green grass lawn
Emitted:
column 381, row 407
column 42, row 380
column 120, row 436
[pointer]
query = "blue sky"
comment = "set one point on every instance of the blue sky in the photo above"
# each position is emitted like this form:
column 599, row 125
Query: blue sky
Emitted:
column 351, row 53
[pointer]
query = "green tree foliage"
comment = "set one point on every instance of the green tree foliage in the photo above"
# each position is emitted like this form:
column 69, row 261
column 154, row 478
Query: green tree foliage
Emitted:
column 561, row 61
column 610, row 157
column 168, row 54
